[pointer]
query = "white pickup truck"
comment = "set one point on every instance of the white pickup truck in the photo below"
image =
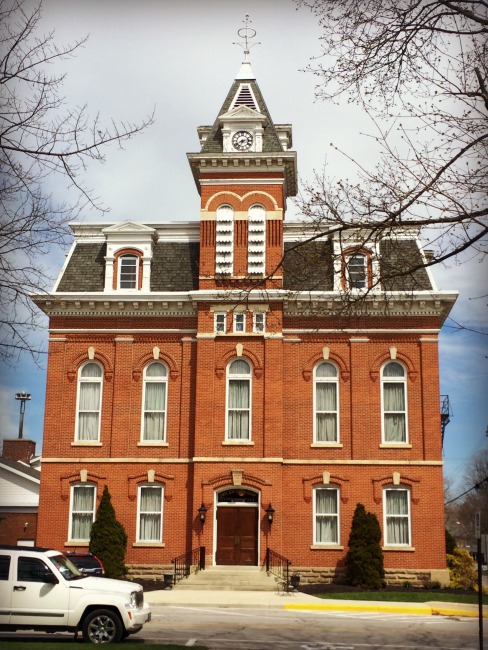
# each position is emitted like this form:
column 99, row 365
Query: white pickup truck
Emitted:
column 40, row 589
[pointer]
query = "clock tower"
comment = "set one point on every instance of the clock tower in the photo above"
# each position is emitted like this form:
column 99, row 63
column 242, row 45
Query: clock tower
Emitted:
column 244, row 172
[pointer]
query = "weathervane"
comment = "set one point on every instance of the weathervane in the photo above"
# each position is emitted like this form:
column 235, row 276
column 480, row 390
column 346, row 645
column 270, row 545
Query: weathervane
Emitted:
column 246, row 33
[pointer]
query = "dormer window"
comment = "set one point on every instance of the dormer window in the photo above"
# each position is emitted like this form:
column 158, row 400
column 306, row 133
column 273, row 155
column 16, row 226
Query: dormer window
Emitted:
column 356, row 269
column 128, row 266
column 128, row 270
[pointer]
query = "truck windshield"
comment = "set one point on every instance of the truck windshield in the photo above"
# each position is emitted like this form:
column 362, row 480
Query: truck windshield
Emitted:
column 66, row 568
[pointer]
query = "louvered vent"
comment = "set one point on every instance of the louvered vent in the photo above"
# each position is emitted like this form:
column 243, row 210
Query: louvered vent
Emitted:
column 224, row 248
column 245, row 97
column 256, row 246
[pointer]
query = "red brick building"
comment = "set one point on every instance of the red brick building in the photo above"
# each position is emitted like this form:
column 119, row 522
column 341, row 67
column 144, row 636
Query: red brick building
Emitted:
column 188, row 367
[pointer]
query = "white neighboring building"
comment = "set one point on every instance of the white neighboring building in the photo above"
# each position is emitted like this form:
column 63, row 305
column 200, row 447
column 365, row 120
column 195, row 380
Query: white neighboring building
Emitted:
column 20, row 477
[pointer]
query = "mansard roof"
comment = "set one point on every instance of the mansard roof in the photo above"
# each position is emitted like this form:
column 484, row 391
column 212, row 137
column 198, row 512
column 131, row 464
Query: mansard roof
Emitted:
column 307, row 267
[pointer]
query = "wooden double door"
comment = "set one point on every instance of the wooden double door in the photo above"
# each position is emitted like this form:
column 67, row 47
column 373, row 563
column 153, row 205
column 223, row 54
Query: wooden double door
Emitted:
column 237, row 535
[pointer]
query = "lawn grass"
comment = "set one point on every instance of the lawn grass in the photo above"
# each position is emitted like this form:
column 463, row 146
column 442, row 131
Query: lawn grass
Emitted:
column 405, row 596
column 38, row 644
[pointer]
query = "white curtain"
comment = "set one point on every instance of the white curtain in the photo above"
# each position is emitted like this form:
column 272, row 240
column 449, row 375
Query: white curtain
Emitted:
column 89, row 402
column 154, row 403
column 394, row 400
column 82, row 512
column 238, row 409
column 326, row 517
column 150, row 514
column 326, row 421
column 397, row 517
column 238, row 400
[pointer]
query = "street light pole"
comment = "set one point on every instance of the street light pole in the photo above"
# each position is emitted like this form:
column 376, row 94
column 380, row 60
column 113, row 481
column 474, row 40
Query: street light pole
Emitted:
column 22, row 397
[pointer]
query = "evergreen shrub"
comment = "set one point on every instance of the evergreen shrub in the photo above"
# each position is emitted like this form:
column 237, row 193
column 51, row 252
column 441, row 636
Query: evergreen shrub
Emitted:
column 364, row 559
column 108, row 539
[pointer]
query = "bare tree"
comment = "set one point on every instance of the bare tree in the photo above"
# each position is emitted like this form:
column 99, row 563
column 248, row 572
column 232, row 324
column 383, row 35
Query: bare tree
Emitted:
column 42, row 142
column 419, row 70
column 461, row 510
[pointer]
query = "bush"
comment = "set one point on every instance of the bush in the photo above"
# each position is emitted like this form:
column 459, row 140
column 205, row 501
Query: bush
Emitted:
column 108, row 539
column 462, row 569
column 364, row 559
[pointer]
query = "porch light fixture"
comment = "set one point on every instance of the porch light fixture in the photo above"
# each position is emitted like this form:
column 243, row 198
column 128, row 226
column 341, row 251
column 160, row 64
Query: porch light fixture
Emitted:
column 202, row 512
column 270, row 512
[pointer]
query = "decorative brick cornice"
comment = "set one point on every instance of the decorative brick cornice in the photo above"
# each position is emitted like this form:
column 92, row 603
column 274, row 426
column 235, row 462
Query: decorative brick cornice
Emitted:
column 147, row 357
column 167, row 480
column 68, row 479
column 333, row 480
column 405, row 481
column 104, row 361
column 318, row 357
column 384, row 357
column 256, row 362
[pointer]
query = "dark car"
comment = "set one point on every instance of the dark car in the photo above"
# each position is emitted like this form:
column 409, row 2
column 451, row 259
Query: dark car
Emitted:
column 87, row 563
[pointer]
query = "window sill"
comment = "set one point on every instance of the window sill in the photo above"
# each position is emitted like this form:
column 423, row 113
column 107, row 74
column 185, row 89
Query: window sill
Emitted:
column 152, row 443
column 395, row 445
column 86, row 443
column 77, row 544
column 319, row 445
column 248, row 443
column 326, row 547
column 409, row 549
column 148, row 544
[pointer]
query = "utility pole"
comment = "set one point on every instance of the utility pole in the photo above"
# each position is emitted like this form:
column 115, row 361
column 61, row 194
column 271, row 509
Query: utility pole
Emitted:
column 477, row 532
column 22, row 397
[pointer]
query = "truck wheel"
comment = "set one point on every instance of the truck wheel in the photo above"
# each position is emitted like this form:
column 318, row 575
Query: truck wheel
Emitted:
column 102, row 626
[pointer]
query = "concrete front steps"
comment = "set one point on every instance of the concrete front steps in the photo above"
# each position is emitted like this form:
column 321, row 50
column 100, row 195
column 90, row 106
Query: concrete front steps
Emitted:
column 230, row 578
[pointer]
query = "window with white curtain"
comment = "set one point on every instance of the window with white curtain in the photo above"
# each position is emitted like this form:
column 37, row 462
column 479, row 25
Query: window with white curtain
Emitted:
column 82, row 515
column 238, row 400
column 224, row 240
column 326, row 403
column 394, row 402
column 90, row 377
column 326, row 515
column 128, row 271
column 150, row 513
column 155, row 402
column 396, row 506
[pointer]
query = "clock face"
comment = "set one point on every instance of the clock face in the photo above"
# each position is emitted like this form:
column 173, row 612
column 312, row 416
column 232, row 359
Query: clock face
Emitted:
column 242, row 140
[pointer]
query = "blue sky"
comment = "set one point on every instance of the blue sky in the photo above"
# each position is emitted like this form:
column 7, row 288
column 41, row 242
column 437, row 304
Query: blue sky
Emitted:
column 149, row 54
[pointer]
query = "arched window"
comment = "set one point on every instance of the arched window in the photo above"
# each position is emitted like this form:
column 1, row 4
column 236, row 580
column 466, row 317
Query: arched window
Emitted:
column 326, row 515
column 155, row 402
column 150, row 513
column 397, row 524
column 90, row 377
column 224, row 240
column 256, row 246
column 128, row 266
column 326, row 403
column 82, row 511
column 394, row 402
column 238, row 400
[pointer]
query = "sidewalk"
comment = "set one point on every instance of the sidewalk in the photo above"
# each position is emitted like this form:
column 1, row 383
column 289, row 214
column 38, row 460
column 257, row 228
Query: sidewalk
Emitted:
column 299, row 601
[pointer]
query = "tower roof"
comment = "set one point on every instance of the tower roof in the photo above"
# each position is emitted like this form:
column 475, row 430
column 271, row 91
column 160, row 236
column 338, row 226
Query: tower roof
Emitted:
column 243, row 92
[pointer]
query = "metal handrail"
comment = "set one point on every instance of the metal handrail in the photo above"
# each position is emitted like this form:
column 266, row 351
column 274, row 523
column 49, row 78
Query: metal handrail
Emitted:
column 188, row 563
column 279, row 566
